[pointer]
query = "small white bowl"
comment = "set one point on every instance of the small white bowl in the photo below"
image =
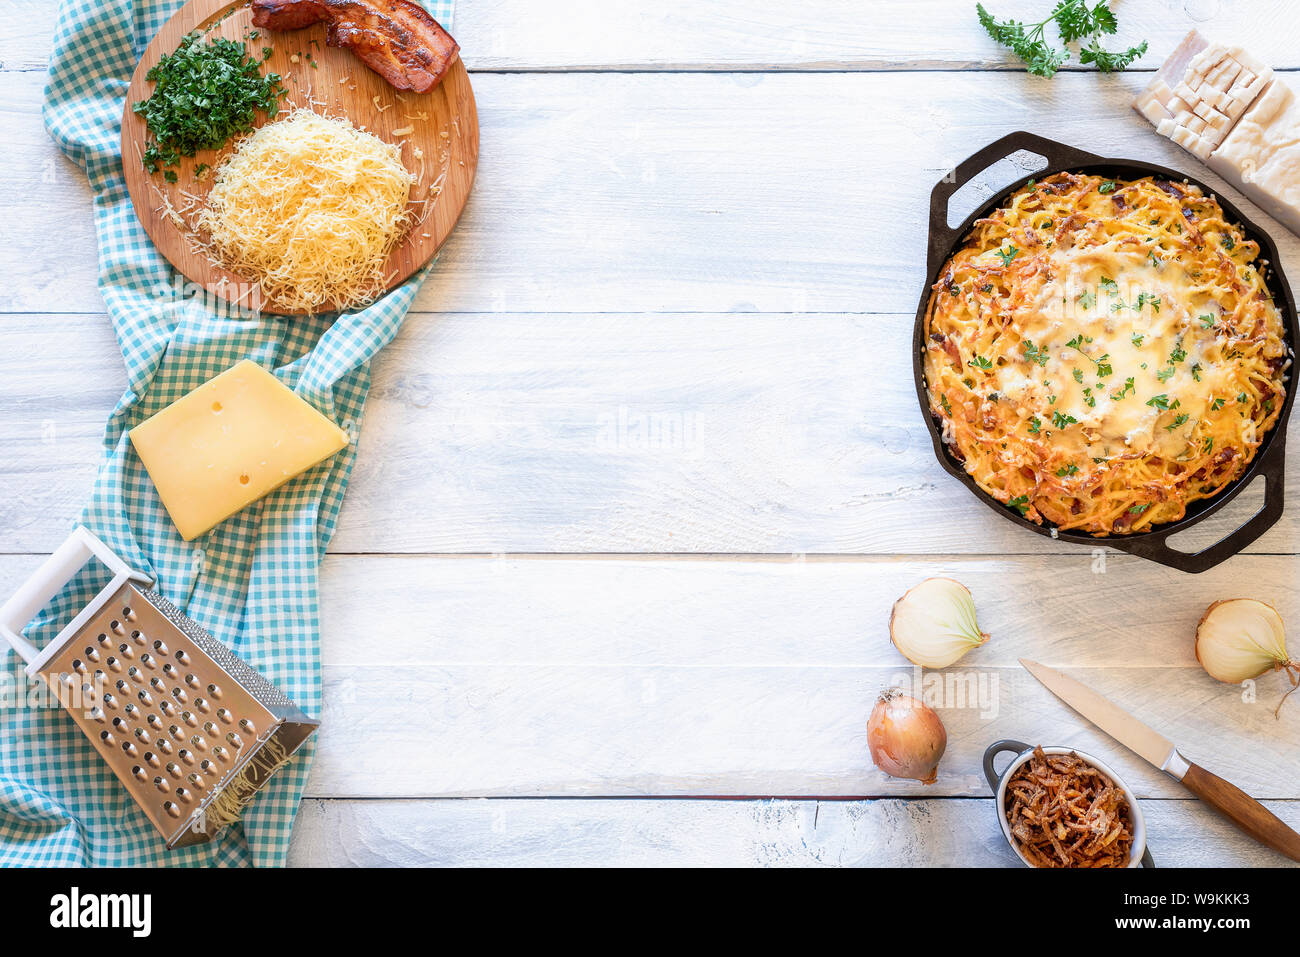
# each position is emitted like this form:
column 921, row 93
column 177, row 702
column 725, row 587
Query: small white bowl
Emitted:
column 1139, row 856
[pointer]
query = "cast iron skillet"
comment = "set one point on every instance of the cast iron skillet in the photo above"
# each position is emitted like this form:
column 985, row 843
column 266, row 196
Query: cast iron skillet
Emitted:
column 1269, row 459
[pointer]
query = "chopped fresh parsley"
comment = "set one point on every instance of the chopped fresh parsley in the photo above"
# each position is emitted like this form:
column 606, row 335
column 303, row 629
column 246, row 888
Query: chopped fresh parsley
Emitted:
column 979, row 362
column 1020, row 503
column 1137, row 339
column 1139, row 509
column 1207, row 320
column 1107, row 186
column 1196, row 371
column 1217, row 404
column 1070, row 469
column 1008, row 254
column 1128, row 388
column 1061, row 420
column 1110, row 285
column 1227, row 242
column 204, row 94
column 1147, row 299
column 1087, row 300
column 1179, row 353
column 1178, row 420
column 1035, row 425
column 1078, row 375
column 1035, row 354
column 1165, row 374
column 1160, row 401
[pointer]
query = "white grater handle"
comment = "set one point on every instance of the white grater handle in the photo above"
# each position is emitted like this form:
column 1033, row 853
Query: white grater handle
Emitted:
column 55, row 572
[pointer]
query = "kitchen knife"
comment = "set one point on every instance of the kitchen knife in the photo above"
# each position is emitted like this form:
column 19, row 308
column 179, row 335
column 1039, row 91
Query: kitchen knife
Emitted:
column 1229, row 800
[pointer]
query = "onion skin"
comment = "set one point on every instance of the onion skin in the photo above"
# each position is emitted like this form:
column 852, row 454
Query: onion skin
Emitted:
column 906, row 737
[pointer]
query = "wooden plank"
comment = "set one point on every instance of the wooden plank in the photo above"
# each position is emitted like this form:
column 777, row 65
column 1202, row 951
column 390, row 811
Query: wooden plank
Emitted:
column 449, row 677
column 608, row 433
column 658, row 833
column 663, row 192
column 767, row 34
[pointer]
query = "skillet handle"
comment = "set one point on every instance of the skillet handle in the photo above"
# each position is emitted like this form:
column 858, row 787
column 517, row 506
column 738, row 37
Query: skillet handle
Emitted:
column 942, row 236
column 1152, row 547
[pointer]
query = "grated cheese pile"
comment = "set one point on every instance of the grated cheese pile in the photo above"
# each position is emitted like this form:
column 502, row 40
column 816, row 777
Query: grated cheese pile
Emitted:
column 310, row 207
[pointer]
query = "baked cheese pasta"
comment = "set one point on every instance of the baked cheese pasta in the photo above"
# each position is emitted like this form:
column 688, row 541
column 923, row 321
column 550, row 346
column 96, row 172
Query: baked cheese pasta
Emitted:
column 1100, row 354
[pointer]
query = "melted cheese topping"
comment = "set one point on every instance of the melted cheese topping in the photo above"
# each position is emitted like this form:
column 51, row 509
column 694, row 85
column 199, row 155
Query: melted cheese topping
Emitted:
column 1102, row 354
column 310, row 207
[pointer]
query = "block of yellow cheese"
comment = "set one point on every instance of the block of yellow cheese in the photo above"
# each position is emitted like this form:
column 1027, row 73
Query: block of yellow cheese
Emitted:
column 229, row 442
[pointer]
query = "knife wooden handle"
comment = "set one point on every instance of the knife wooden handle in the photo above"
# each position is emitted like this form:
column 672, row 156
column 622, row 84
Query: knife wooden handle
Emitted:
column 1243, row 810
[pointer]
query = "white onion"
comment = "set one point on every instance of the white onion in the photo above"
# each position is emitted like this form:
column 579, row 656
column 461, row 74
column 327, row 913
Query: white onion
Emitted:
column 934, row 623
column 1241, row 638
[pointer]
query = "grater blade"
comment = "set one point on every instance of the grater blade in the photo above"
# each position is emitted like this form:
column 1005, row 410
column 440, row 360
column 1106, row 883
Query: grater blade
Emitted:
column 189, row 729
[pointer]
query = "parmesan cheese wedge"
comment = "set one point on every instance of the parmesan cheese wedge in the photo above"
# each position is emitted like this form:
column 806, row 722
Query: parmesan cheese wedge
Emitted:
column 1232, row 112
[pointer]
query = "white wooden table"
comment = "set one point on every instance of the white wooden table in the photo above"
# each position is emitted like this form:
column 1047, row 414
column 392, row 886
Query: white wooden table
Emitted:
column 643, row 473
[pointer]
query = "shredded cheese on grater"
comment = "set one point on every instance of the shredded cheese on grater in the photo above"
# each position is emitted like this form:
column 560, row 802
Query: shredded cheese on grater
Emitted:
column 310, row 207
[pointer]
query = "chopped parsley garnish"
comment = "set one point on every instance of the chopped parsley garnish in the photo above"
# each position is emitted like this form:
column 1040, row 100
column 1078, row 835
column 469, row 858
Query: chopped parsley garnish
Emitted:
column 1178, row 420
column 1061, row 420
column 1139, row 509
column 1147, row 299
column 1103, row 364
column 1164, row 375
column 1035, row 354
column 1008, row 254
column 1137, row 339
column 1196, row 371
column 1208, row 447
column 1207, row 320
column 1078, row 375
column 1089, row 399
column 1228, row 242
column 1160, row 401
column 1070, row 469
column 1110, row 285
column 943, row 401
column 1020, row 503
column 1243, row 398
column 1035, row 425
column 1128, row 387
column 1087, row 300
column 1106, row 186
column 1178, row 355
column 204, row 94
column 979, row 362
column 1217, row 404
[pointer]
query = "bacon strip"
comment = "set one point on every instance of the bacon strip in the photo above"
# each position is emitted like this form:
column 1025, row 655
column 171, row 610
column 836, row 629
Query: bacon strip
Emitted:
column 395, row 38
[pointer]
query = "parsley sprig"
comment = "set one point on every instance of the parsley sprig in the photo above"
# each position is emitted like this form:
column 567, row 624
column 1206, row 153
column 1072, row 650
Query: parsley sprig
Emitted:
column 1076, row 22
column 204, row 93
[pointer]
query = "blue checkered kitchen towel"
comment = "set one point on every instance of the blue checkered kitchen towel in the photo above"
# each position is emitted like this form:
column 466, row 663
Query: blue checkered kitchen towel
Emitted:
column 252, row 581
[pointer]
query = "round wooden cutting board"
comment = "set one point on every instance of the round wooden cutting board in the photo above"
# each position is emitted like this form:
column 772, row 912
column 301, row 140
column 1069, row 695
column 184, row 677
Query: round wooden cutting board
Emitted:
column 441, row 147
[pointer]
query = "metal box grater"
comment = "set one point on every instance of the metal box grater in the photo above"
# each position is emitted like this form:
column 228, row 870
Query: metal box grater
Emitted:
column 191, row 730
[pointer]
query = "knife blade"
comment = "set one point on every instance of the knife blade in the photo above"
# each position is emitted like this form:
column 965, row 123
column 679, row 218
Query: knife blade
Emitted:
column 1147, row 743
column 1229, row 800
